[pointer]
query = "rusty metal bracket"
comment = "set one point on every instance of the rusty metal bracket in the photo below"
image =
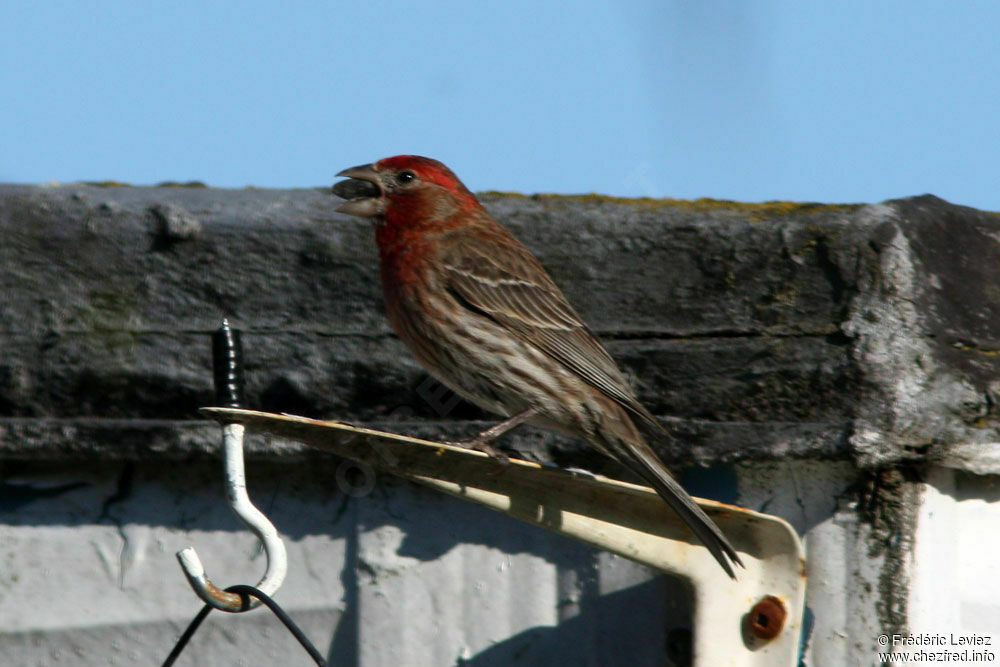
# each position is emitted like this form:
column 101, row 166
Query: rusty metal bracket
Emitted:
column 756, row 620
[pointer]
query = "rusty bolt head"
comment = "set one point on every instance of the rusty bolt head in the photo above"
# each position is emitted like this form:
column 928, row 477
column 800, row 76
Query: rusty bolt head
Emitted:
column 767, row 618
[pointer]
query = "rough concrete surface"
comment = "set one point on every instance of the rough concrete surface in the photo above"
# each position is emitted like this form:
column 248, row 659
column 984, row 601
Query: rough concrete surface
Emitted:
column 813, row 360
column 770, row 329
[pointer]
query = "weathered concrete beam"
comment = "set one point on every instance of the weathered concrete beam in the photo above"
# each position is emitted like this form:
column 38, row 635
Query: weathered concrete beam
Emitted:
column 867, row 332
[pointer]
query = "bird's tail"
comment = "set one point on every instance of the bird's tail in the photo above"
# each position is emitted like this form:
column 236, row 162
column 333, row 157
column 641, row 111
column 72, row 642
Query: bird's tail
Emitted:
column 621, row 439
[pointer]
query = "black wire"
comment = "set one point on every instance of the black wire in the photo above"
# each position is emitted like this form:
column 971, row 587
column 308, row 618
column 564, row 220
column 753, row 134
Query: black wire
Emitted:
column 186, row 637
column 245, row 592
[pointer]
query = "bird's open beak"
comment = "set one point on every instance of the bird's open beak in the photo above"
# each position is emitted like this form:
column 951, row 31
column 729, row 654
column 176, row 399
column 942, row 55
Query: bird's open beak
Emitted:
column 363, row 192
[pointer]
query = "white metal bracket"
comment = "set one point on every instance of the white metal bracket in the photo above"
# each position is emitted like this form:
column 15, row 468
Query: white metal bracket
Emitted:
column 754, row 621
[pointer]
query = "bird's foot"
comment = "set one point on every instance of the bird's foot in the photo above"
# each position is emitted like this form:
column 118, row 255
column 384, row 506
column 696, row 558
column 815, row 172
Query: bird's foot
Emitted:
column 480, row 445
column 481, row 442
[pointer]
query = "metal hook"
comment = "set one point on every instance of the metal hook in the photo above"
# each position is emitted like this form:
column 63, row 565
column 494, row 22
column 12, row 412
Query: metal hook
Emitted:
column 227, row 362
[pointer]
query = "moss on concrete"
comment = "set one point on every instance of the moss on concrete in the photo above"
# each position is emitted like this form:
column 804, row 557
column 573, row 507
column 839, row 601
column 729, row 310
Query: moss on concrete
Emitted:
column 755, row 210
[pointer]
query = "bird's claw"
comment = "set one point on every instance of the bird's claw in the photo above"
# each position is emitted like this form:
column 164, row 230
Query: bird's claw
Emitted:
column 484, row 447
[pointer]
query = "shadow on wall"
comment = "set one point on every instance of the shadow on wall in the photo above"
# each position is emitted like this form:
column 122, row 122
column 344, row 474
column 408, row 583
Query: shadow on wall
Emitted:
column 622, row 628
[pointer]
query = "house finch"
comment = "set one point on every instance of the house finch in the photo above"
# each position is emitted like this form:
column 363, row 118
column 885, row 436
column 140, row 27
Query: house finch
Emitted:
column 482, row 315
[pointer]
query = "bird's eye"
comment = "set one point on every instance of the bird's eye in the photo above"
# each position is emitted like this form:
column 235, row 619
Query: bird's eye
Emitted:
column 405, row 177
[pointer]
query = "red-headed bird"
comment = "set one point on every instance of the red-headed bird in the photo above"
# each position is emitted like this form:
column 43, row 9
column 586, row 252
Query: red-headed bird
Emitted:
column 482, row 315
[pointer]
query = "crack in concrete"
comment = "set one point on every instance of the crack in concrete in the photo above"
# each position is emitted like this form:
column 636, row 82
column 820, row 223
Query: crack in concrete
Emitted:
column 123, row 491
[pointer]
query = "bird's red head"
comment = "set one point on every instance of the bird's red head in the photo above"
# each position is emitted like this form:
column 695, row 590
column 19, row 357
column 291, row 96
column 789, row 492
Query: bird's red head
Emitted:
column 425, row 169
column 404, row 190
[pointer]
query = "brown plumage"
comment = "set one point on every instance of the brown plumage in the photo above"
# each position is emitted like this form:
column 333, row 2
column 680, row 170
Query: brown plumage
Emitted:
column 481, row 314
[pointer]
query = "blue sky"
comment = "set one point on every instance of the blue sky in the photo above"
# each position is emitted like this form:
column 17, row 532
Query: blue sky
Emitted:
column 818, row 101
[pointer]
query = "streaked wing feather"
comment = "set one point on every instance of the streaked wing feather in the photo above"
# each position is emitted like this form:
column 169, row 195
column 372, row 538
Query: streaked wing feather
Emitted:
column 510, row 285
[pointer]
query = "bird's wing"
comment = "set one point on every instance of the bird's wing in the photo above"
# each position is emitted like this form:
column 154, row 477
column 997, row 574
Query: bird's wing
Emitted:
column 499, row 278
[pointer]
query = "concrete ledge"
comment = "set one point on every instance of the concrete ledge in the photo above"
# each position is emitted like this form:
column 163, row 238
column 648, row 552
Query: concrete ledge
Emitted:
column 865, row 332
